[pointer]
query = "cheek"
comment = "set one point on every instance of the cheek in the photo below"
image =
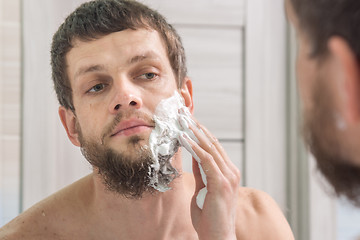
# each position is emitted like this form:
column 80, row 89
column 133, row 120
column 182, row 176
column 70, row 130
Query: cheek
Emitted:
column 91, row 124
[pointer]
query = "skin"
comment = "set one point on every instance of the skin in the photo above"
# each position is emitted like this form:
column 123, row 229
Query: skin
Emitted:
column 340, row 71
column 86, row 210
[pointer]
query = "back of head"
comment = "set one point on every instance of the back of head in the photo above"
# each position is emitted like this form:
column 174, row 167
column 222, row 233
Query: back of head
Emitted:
column 321, row 19
column 97, row 18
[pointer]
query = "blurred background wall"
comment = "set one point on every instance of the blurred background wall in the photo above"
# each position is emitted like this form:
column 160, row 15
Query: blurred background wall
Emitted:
column 10, row 109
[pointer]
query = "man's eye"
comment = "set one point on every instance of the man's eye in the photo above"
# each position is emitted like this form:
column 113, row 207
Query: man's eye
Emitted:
column 97, row 88
column 148, row 76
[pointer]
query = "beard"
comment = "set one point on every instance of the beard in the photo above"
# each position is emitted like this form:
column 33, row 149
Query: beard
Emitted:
column 321, row 128
column 128, row 173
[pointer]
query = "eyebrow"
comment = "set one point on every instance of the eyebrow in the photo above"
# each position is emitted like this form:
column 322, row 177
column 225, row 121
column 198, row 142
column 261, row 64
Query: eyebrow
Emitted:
column 145, row 56
column 135, row 59
column 89, row 69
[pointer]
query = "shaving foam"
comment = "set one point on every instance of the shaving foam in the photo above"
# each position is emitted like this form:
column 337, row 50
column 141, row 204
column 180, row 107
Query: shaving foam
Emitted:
column 172, row 119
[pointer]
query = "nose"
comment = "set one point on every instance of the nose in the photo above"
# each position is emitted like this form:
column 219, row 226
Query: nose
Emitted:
column 126, row 96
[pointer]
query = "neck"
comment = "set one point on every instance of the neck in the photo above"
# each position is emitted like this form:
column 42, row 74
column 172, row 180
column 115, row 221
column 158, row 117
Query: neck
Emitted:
column 111, row 200
column 152, row 212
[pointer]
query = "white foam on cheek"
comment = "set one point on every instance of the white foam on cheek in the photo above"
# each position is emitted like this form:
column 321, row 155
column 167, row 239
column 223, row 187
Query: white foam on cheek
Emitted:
column 166, row 127
column 172, row 119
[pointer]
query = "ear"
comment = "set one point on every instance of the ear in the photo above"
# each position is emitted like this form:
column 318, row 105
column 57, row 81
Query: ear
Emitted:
column 348, row 66
column 186, row 92
column 68, row 120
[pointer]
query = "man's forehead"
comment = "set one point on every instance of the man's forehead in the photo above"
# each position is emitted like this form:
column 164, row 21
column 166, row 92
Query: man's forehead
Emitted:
column 124, row 37
column 131, row 47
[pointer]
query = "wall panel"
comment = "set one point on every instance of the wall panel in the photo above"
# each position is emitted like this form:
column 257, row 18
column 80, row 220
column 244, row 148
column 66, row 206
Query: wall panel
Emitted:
column 10, row 105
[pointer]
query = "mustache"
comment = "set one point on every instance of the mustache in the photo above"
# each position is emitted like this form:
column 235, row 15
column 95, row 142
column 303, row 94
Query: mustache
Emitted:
column 120, row 117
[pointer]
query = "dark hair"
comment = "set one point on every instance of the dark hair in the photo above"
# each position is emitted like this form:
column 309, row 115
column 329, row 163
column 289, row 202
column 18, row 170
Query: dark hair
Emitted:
column 98, row 18
column 322, row 19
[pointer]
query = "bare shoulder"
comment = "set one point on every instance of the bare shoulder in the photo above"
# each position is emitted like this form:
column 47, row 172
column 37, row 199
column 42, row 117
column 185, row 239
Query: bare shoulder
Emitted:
column 258, row 211
column 27, row 225
column 42, row 220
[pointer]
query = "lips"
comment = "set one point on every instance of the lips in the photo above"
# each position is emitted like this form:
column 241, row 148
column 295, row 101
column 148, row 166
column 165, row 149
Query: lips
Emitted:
column 131, row 126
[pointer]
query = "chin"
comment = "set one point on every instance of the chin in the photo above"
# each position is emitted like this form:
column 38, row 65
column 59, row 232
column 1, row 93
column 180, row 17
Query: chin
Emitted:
column 130, row 145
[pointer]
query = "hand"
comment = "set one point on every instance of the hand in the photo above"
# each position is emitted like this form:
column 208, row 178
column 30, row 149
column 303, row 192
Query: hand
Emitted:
column 217, row 218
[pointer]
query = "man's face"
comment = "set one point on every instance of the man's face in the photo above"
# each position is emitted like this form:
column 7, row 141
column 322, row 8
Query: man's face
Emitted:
column 117, row 82
column 325, row 129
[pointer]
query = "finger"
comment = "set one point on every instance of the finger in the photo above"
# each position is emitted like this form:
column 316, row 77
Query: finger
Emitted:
column 188, row 147
column 219, row 148
column 208, row 164
column 214, row 141
column 199, row 183
column 209, row 147
column 227, row 167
